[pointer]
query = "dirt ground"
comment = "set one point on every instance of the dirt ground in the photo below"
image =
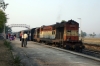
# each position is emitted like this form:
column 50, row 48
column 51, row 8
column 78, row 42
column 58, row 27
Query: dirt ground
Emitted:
column 92, row 40
column 6, row 58
column 94, row 43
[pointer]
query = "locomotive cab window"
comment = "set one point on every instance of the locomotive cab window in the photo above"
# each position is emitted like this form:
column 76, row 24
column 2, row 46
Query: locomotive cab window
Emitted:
column 68, row 30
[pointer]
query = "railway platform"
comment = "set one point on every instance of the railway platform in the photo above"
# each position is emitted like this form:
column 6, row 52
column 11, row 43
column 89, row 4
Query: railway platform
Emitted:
column 36, row 54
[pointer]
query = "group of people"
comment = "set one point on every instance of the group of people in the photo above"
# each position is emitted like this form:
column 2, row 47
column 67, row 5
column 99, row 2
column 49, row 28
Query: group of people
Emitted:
column 10, row 36
column 23, row 38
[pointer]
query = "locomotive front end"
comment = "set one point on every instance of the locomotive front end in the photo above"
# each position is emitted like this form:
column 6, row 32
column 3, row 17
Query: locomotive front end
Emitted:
column 71, row 36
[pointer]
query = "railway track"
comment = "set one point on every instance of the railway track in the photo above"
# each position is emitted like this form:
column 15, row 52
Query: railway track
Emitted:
column 91, row 53
column 92, row 50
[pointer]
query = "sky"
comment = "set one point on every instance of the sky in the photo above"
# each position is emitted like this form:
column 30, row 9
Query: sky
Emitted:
column 46, row 12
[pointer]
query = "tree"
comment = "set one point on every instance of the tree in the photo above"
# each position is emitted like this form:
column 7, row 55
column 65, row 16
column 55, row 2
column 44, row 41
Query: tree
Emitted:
column 8, row 29
column 92, row 35
column 1, row 29
column 63, row 21
column 83, row 34
column 2, row 20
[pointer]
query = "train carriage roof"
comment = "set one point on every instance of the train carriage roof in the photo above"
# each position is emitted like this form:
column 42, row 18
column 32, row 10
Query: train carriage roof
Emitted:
column 62, row 23
column 59, row 24
column 72, row 22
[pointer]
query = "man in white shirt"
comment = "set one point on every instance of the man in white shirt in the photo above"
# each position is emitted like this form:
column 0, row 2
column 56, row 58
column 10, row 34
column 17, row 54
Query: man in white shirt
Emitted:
column 24, row 38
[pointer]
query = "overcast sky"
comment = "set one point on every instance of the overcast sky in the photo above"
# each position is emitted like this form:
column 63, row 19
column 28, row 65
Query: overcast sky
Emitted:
column 46, row 12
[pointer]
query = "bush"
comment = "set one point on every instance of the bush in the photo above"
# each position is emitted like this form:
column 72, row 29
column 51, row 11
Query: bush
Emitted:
column 17, row 61
column 7, row 44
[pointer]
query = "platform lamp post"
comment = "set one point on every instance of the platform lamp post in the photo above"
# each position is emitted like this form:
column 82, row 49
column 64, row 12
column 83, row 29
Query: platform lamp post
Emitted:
column 80, row 29
column 4, row 6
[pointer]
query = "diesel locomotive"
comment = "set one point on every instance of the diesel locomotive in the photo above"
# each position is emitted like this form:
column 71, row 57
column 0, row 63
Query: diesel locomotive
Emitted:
column 64, row 34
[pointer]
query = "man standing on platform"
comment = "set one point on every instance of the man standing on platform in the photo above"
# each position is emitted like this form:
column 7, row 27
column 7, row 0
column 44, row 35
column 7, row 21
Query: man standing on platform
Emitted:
column 24, row 38
column 20, row 36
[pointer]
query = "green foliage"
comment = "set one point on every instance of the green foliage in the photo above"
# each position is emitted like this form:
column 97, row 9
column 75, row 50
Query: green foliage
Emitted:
column 1, row 29
column 83, row 34
column 2, row 20
column 8, row 29
column 7, row 44
column 63, row 21
column 92, row 35
column 17, row 60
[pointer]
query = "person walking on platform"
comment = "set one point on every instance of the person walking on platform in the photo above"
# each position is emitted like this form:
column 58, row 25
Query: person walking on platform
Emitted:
column 30, row 37
column 20, row 36
column 24, row 39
